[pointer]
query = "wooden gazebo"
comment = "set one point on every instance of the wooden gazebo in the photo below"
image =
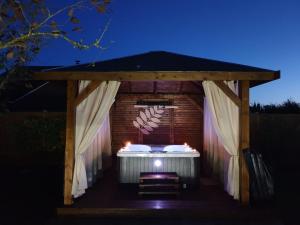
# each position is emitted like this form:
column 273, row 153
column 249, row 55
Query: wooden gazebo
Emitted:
column 158, row 66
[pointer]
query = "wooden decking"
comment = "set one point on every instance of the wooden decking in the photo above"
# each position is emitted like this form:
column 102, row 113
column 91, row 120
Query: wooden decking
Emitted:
column 107, row 198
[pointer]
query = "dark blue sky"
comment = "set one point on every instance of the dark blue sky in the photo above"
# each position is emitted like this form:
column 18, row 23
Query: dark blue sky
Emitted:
column 262, row 33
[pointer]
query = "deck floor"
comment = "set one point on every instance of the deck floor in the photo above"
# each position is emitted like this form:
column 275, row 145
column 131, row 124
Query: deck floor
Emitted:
column 108, row 193
column 107, row 198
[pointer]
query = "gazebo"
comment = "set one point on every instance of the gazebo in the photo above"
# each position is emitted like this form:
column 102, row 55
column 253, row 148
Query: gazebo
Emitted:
column 225, row 85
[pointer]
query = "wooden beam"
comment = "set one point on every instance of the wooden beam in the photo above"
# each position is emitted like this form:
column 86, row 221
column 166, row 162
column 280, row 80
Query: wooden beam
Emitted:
column 70, row 142
column 155, row 75
column 244, row 141
column 87, row 91
column 160, row 93
column 228, row 92
column 195, row 100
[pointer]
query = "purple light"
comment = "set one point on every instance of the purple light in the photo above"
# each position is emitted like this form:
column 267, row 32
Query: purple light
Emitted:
column 157, row 163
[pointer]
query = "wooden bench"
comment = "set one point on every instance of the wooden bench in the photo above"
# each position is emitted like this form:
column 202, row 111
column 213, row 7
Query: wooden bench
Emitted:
column 159, row 183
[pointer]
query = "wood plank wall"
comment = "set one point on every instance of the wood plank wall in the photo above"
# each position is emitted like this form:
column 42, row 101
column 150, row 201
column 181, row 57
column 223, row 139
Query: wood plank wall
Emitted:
column 184, row 124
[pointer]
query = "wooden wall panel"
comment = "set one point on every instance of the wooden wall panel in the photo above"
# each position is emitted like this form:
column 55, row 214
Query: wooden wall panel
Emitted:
column 177, row 126
column 188, row 122
column 161, row 134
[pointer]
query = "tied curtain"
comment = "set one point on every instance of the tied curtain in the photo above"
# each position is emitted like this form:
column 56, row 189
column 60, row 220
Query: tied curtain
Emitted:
column 98, row 154
column 91, row 114
column 213, row 149
column 224, row 116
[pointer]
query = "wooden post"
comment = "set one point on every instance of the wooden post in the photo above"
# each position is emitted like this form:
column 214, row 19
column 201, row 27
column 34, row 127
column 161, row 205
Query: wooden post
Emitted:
column 244, row 141
column 70, row 141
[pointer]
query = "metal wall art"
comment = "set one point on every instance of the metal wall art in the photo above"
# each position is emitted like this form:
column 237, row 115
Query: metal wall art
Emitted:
column 148, row 119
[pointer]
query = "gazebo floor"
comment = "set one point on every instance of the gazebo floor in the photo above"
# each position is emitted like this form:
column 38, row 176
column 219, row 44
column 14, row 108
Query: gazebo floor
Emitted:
column 107, row 198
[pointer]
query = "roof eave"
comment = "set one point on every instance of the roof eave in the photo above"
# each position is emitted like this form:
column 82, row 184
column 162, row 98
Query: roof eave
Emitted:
column 255, row 83
column 259, row 76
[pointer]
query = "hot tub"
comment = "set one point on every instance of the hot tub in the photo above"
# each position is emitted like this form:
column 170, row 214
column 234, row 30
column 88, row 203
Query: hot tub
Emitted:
column 135, row 159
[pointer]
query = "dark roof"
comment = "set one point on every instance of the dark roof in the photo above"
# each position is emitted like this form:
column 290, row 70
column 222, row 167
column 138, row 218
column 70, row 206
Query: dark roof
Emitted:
column 51, row 96
column 161, row 61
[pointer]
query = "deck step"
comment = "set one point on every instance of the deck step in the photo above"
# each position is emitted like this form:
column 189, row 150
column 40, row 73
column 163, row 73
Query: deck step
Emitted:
column 158, row 192
column 159, row 176
column 160, row 183
column 165, row 185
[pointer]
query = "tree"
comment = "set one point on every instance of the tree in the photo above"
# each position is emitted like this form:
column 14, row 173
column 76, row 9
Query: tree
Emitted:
column 25, row 25
column 288, row 106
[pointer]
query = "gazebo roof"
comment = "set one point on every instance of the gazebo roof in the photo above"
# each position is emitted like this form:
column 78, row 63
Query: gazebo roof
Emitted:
column 161, row 61
column 159, row 66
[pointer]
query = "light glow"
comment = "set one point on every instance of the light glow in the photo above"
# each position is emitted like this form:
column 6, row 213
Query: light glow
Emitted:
column 187, row 148
column 128, row 143
column 157, row 163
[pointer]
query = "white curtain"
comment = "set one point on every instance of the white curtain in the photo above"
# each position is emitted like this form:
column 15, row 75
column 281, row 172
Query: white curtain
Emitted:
column 213, row 148
column 225, row 119
column 98, row 153
column 90, row 115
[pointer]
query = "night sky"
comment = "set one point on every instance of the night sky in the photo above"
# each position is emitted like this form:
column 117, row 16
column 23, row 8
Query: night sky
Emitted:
column 259, row 33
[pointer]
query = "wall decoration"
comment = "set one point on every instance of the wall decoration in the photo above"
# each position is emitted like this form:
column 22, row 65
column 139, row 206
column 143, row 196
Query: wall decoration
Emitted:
column 148, row 119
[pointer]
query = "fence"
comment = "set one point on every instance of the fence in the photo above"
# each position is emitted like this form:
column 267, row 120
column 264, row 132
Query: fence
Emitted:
column 277, row 137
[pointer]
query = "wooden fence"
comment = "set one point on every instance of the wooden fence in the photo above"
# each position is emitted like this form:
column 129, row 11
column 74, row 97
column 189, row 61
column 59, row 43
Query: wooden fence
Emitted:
column 277, row 137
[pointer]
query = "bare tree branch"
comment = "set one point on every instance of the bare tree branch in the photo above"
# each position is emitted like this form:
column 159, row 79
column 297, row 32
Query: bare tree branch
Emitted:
column 50, row 16
column 17, row 42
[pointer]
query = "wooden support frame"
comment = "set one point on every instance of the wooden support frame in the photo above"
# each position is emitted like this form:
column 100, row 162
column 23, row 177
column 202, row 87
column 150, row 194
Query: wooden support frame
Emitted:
column 193, row 100
column 156, row 75
column 244, row 141
column 228, row 92
column 70, row 141
column 98, row 77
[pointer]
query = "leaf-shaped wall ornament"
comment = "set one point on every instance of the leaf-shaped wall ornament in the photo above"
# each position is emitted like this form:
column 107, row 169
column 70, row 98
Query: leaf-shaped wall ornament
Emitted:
column 148, row 128
column 144, row 131
column 152, row 111
column 160, row 111
column 140, row 121
column 136, row 124
column 143, row 116
column 157, row 115
column 148, row 119
column 155, row 120
column 148, row 114
column 152, row 124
